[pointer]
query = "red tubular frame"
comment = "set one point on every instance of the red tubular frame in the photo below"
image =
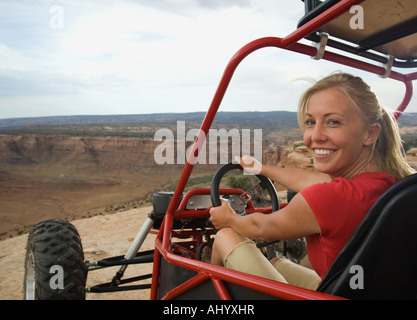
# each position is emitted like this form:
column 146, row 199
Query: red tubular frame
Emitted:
column 219, row 274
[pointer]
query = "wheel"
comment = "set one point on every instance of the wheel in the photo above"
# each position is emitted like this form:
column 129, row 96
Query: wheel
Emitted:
column 264, row 183
column 54, row 263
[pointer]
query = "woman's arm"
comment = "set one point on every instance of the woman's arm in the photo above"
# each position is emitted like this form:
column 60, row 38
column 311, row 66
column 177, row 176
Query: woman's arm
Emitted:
column 294, row 221
column 291, row 178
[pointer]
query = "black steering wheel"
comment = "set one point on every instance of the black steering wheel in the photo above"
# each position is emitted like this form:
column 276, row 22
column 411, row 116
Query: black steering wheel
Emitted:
column 295, row 250
column 264, row 183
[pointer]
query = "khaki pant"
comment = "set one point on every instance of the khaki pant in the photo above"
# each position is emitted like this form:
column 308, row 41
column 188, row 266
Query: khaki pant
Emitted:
column 246, row 257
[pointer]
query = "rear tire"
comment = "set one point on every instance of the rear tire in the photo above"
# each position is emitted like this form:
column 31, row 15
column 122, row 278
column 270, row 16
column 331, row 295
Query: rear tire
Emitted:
column 53, row 250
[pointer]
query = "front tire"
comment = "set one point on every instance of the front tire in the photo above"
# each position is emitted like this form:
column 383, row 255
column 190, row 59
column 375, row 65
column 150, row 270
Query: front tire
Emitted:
column 54, row 250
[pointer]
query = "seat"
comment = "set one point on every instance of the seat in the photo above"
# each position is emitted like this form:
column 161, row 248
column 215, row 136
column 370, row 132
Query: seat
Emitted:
column 383, row 246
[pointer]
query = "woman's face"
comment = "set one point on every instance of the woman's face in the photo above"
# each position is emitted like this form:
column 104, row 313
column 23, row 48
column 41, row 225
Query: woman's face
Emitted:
column 336, row 134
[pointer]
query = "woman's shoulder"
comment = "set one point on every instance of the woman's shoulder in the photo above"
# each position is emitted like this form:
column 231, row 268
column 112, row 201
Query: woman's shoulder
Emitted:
column 372, row 176
column 368, row 179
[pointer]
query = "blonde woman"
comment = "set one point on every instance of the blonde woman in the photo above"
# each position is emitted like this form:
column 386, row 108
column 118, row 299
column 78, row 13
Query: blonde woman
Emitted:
column 357, row 155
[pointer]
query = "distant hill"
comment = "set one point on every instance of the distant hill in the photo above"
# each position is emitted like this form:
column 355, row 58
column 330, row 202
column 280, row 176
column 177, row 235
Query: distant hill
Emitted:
column 242, row 118
column 254, row 118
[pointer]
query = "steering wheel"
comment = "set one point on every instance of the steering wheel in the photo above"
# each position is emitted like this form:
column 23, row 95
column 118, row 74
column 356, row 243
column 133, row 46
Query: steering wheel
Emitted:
column 295, row 250
column 264, row 183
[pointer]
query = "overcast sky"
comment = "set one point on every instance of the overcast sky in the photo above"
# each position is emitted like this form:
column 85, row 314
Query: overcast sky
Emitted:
column 83, row 57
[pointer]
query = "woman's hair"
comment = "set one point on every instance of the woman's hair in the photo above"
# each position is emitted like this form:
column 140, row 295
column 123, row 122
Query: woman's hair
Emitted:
column 387, row 152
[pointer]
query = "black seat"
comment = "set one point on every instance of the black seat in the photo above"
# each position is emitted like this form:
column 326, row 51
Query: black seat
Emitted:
column 380, row 255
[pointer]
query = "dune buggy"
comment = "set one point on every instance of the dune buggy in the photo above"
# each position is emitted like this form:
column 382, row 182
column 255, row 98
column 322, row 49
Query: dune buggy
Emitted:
column 381, row 246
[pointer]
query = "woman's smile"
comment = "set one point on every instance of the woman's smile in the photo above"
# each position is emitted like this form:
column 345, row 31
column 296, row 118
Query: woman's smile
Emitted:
column 323, row 152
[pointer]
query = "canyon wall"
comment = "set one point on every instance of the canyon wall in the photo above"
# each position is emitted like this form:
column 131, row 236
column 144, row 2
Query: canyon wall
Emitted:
column 111, row 153
column 87, row 152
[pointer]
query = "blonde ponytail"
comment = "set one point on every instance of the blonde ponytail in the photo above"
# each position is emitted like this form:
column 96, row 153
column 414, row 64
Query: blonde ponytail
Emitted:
column 388, row 152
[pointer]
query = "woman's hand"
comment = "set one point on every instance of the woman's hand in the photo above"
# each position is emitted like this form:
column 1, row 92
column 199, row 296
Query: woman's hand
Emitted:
column 249, row 164
column 221, row 216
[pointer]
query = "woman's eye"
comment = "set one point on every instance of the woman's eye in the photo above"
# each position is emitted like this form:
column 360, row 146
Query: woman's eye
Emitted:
column 333, row 122
column 309, row 122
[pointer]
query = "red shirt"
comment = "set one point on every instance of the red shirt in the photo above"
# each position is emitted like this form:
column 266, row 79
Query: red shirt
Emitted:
column 339, row 207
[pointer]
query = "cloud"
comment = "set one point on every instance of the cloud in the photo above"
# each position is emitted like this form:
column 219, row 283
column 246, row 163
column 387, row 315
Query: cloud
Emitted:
column 149, row 56
column 189, row 7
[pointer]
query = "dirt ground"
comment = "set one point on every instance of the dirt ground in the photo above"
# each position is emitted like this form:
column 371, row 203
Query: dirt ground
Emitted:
column 102, row 236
